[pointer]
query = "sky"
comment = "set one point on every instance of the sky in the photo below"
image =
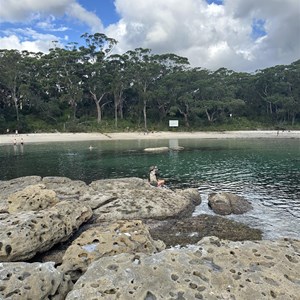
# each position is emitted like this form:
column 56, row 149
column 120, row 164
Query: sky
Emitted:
column 241, row 35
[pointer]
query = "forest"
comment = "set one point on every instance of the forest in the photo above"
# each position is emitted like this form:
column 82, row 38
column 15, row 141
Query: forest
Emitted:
column 86, row 88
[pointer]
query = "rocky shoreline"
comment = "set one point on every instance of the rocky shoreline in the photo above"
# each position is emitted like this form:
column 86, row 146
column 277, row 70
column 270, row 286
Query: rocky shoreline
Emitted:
column 124, row 239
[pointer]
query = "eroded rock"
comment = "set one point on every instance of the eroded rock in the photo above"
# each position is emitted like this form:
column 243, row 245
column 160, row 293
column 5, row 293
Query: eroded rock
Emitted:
column 224, row 203
column 33, row 197
column 135, row 198
column 213, row 269
column 107, row 240
column 32, row 281
column 24, row 234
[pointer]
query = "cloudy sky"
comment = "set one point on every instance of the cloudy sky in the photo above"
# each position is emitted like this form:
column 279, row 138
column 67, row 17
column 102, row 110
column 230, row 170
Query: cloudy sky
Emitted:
column 242, row 35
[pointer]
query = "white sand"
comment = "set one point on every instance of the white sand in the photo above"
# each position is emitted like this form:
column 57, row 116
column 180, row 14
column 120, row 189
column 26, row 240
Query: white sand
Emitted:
column 68, row 137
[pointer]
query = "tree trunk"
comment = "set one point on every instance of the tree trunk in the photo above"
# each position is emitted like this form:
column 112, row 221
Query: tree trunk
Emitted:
column 15, row 99
column 145, row 114
column 99, row 113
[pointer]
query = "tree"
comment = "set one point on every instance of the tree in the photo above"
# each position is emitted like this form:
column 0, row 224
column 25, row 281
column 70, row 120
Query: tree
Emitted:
column 12, row 72
column 66, row 74
column 97, row 78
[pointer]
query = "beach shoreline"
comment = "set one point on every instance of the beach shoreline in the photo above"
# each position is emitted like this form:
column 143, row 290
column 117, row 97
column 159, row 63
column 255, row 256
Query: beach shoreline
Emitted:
column 77, row 137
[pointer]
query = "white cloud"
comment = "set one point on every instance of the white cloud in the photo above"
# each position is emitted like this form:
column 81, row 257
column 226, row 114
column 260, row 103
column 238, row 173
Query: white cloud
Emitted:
column 20, row 11
column 45, row 16
column 38, row 45
column 211, row 36
column 78, row 12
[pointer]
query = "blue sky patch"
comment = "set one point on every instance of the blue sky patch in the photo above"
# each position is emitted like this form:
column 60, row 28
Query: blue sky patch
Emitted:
column 218, row 2
column 258, row 28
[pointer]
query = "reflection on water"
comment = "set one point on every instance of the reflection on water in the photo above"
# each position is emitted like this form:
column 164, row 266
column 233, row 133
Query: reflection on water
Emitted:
column 266, row 172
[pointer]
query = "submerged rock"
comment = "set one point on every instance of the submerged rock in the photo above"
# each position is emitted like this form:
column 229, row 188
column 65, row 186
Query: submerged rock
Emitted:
column 213, row 269
column 224, row 203
column 188, row 231
column 32, row 281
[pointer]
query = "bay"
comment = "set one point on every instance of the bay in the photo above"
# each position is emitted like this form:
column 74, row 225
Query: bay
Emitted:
column 265, row 171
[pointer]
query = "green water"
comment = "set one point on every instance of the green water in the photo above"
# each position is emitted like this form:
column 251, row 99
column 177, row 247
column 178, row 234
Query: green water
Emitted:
column 267, row 172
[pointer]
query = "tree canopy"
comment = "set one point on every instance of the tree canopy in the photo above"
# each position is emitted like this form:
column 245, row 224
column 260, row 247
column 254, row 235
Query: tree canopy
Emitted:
column 89, row 88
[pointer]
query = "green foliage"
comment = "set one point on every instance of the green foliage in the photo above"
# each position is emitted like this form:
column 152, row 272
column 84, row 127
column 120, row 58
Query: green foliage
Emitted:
column 86, row 89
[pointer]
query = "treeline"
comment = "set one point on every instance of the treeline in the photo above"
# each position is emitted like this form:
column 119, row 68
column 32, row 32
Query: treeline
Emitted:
column 87, row 88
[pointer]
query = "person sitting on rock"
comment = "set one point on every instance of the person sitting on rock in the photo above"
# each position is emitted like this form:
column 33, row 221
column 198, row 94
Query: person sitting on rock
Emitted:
column 153, row 173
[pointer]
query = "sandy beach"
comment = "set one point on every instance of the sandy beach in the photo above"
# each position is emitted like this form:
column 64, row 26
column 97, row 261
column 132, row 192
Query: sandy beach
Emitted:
column 70, row 137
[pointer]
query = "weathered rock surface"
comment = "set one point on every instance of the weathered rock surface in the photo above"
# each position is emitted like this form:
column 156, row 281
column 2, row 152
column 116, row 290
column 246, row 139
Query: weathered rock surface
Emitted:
column 33, row 197
column 213, row 269
column 32, row 281
column 224, row 203
column 188, row 231
column 65, row 188
column 14, row 185
column 24, row 234
column 107, row 240
column 135, row 198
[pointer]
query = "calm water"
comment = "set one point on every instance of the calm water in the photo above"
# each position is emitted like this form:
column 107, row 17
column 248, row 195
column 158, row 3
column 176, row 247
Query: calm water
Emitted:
column 266, row 172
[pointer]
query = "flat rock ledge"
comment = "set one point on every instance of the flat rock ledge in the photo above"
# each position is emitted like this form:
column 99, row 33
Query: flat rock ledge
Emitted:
column 212, row 269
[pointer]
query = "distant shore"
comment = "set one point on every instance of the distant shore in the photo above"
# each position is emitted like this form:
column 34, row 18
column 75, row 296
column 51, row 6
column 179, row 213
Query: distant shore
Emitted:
column 72, row 137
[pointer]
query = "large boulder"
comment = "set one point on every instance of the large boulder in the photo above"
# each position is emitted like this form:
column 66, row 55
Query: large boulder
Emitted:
column 24, row 234
column 187, row 231
column 213, row 269
column 32, row 281
column 33, row 197
column 135, row 198
column 107, row 240
column 224, row 203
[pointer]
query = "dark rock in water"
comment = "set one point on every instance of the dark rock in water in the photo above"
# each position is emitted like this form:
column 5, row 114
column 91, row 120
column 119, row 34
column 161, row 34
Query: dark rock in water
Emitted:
column 227, row 203
column 187, row 231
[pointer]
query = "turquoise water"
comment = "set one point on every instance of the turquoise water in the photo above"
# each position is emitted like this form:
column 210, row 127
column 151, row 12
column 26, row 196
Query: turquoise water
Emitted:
column 266, row 172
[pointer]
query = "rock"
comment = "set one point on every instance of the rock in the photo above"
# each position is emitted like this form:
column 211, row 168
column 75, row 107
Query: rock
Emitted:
column 187, row 231
column 14, row 185
column 224, row 203
column 107, row 240
column 24, row 234
column 190, row 193
column 66, row 189
column 157, row 149
column 32, row 281
column 213, row 269
column 33, row 197
column 135, row 198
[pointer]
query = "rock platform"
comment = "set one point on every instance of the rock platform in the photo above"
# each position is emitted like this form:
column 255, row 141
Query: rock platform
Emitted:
column 124, row 239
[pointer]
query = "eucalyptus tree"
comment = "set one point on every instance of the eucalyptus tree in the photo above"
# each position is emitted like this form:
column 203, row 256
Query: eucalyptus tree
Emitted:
column 121, row 80
column 216, row 95
column 147, row 70
column 66, row 73
column 12, row 71
column 278, row 86
column 97, row 79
